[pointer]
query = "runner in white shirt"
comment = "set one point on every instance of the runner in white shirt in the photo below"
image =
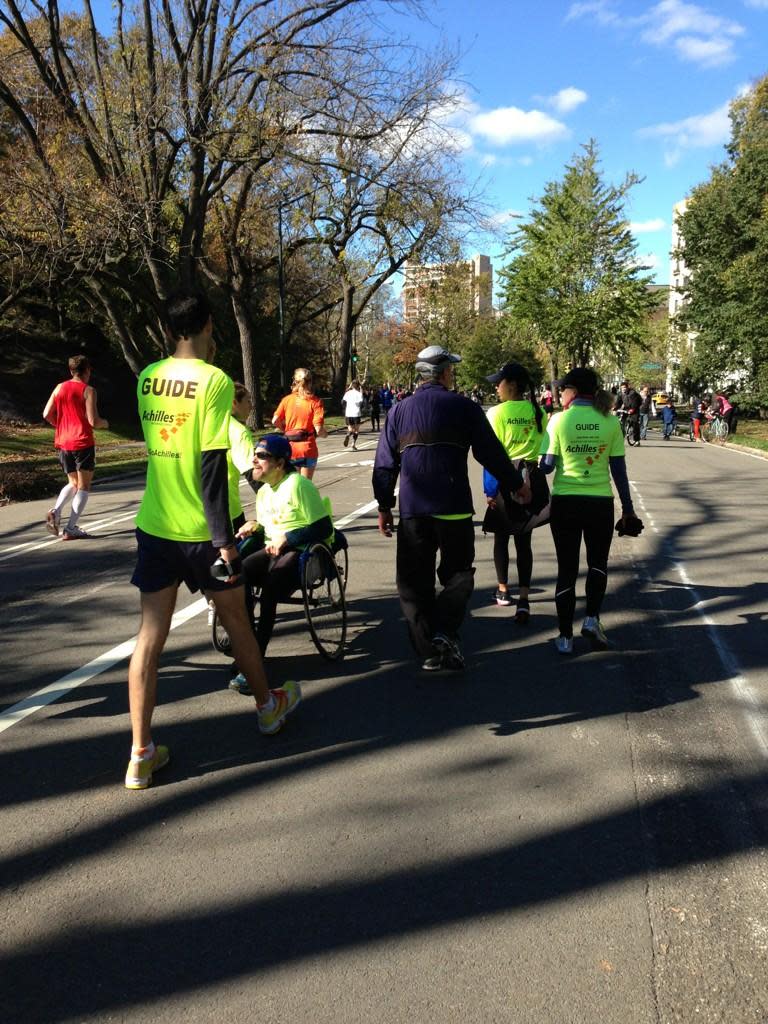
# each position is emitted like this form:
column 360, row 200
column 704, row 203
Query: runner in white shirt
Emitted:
column 353, row 404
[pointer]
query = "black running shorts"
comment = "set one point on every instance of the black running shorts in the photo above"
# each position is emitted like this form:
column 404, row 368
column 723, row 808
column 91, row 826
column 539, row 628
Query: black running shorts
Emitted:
column 77, row 459
column 161, row 563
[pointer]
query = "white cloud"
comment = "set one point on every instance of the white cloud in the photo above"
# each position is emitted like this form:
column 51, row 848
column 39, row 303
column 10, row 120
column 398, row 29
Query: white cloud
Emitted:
column 601, row 9
column 761, row 5
column 504, row 217
column 696, row 132
column 691, row 31
column 649, row 260
column 566, row 100
column 509, row 125
column 647, row 227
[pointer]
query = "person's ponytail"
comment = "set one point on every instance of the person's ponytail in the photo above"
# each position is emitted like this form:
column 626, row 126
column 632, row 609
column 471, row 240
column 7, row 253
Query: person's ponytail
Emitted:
column 536, row 407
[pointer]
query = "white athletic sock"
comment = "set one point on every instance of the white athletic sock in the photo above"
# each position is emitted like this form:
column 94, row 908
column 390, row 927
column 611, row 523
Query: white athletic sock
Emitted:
column 79, row 502
column 66, row 492
column 139, row 754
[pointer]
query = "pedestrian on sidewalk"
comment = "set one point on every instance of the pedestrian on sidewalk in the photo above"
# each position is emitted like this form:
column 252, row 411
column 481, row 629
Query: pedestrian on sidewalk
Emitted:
column 184, row 528
column 73, row 412
column 425, row 443
column 584, row 446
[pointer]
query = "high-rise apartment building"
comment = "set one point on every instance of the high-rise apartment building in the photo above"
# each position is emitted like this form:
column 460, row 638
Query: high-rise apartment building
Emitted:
column 679, row 276
column 420, row 278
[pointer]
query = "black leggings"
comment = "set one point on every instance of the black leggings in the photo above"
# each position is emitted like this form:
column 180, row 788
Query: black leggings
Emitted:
column 278, row 577
column 523, row 553
column 571, row 518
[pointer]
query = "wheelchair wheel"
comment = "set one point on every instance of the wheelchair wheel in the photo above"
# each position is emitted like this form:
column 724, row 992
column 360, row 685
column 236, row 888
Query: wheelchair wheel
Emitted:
column 220, row 636
column 322, row 589
column 342, row 564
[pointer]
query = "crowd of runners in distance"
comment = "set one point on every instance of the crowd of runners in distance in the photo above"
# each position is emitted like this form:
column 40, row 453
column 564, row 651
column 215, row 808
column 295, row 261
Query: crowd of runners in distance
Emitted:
column 543, row 464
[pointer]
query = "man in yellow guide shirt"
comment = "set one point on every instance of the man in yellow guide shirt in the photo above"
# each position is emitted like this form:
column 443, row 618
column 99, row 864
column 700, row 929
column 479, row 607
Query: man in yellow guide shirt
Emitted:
column 184, row 528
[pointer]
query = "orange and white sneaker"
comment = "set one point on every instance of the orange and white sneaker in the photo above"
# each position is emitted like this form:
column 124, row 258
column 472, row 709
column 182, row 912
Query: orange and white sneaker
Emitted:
column 140, row 769
column 74, row 533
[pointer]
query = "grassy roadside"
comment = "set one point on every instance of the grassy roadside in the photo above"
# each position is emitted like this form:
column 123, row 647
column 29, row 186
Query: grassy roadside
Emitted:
column 29, row 467
column 751, row 434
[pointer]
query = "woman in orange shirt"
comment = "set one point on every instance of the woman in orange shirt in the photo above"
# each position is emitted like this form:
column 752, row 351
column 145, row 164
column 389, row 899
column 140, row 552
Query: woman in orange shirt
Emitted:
column 301, row 417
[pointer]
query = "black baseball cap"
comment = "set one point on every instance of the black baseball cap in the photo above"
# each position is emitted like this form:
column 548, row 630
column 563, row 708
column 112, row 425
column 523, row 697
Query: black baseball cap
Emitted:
column 582, row 378
column 509, row 371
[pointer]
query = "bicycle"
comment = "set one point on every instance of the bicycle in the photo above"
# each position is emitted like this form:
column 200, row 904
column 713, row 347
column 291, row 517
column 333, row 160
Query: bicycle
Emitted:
column 627, row 427
column 717, row 430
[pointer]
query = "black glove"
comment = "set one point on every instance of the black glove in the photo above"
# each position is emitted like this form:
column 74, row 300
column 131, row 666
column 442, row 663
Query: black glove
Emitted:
column 223, row 570
column 630, row 526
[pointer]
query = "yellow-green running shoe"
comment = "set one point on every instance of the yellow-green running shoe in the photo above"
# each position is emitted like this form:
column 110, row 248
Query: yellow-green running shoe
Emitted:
column 287, row 698
column 139, row 774
column 594, row 632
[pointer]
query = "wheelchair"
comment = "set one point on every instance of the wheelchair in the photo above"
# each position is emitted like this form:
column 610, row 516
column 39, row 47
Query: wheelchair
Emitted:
column 323, row 574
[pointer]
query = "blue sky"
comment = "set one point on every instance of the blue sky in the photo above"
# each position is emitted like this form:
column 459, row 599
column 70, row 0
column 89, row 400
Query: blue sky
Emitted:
column 650, row 82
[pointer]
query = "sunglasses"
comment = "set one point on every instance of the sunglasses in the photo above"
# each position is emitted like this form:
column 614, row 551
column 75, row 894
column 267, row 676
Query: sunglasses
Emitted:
column 262, row 456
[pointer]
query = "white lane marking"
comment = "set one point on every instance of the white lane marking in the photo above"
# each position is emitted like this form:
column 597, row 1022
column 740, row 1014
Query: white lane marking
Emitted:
column 81, row 675
column 754, row 711
column 110, row 658
column 20, row 549
column 346, row 520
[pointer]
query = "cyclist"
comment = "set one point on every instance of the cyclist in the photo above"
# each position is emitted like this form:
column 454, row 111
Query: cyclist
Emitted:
column 290, row 515
column 301, row 417
column 72, row 411
column 723, row 407
column 628, row 403
column 584, row 446
column 518, row 422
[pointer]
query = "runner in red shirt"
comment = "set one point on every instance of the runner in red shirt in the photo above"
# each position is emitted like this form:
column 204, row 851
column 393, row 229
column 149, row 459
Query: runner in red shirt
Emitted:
column 73, row 412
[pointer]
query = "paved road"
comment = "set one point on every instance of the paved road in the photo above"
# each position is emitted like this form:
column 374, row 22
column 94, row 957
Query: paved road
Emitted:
column 547, row 841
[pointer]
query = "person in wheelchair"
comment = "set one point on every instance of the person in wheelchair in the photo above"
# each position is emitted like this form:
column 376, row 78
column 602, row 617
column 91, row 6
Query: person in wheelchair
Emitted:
column 290, row 515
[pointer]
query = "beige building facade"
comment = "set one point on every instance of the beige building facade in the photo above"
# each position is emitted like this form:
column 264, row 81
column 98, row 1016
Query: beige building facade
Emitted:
column 421, row 277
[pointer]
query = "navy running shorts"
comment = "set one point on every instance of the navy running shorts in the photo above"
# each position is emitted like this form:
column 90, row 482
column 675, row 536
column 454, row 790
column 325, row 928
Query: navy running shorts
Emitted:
column 161, row 563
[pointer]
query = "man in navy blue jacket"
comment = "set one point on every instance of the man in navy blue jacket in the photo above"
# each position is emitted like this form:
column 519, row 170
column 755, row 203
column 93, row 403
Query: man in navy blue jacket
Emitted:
column 426, row 442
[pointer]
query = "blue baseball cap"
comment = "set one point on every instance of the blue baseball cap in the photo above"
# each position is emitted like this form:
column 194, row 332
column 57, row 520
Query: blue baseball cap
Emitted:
column 276, row 445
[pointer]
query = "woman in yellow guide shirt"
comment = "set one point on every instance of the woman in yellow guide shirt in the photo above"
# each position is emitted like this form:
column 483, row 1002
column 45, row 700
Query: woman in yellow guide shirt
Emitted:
column 518, row 422
column 584, row 446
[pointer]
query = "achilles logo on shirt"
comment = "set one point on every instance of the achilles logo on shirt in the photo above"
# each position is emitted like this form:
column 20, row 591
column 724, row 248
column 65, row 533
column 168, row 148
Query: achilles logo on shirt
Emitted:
column 179, row 420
